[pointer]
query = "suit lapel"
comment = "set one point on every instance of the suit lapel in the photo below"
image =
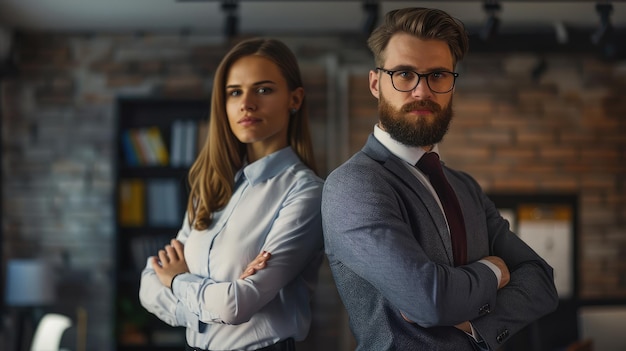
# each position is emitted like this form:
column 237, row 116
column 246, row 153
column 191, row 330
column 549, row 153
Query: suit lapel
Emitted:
column 375, row 150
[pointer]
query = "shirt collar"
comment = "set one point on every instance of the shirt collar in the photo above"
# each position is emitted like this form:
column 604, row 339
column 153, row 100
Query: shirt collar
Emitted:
column 268, row 166
column 410, row 154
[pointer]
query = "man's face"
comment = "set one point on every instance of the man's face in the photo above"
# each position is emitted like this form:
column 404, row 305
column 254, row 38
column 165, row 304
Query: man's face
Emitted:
column 419, row 117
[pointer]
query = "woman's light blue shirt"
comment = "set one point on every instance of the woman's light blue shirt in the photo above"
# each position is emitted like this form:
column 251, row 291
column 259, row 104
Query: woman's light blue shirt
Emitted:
column 275, row 207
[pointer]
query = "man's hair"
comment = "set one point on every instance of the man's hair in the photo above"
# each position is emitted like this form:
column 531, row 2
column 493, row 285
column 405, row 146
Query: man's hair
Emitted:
column 422, row 23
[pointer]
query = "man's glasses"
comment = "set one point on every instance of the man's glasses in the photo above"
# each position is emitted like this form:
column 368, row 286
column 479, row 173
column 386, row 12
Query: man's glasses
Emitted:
column 439, row 82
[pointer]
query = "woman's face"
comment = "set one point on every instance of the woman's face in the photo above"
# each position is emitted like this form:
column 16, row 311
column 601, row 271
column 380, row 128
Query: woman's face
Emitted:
column 258, row 105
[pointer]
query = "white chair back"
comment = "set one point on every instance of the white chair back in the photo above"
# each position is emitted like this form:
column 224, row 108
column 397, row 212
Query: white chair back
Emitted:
column 49, row 332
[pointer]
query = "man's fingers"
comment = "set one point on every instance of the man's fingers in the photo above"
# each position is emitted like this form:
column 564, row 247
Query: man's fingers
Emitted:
column 406, row 318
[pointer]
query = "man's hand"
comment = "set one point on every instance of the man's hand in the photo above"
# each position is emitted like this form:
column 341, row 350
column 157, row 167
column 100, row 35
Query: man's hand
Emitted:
column 170, row 262
column 465, row 326
column 257, row 264
column 506, row 275
column 406, row 318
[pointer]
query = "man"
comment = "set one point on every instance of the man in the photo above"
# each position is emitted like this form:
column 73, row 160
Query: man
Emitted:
column 416, row 268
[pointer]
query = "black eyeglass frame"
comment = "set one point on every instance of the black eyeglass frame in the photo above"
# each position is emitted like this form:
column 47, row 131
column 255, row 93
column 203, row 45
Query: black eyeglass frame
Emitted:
column 419, row 78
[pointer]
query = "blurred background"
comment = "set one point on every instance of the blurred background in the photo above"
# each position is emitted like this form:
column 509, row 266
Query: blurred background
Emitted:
column 540, row 123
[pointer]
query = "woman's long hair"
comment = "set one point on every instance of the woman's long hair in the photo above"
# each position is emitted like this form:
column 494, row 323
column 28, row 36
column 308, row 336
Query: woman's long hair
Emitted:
column 211, row 177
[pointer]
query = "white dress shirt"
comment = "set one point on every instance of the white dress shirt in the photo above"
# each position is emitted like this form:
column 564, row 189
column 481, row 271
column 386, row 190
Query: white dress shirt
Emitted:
column 275, row 207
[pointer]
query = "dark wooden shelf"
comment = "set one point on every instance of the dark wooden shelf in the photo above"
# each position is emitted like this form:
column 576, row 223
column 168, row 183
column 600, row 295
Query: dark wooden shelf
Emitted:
column 137, row 329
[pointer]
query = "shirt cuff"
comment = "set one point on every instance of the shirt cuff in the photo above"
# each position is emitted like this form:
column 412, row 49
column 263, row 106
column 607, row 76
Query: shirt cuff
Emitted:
column 474, row 335
column 175, row 282
column 494, row 268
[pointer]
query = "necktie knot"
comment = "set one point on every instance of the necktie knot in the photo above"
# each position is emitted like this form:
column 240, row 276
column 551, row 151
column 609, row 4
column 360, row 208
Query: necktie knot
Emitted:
column 430, row 164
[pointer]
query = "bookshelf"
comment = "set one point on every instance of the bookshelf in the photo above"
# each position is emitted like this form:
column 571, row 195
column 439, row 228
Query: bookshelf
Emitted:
column 157, row 140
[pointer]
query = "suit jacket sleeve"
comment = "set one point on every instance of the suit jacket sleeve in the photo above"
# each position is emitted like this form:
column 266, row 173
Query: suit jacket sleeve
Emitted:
column 531, row 292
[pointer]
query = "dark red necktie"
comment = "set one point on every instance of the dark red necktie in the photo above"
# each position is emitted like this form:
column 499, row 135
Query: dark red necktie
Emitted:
column 431, row 166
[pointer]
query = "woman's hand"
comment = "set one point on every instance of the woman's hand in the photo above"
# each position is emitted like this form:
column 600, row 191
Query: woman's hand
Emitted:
column 257, row 264
column 170, row 262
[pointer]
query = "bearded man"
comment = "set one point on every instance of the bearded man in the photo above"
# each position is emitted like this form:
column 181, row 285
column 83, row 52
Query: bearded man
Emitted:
column 421, row 257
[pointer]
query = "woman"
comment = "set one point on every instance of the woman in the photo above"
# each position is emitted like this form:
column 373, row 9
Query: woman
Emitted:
column 253, row 189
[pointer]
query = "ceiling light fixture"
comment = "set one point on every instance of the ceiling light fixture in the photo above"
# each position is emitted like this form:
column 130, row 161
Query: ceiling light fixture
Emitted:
column 560, row 32
column 231, row 21
column 605, row 31
column 371, row 15
column 490, row 29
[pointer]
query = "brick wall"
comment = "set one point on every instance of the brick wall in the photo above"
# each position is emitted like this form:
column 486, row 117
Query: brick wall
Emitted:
column 58, row 148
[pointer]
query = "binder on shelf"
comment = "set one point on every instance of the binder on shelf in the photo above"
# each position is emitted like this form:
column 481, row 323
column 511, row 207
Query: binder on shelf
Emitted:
column 190, row 142
column 163, row 203
column 184, row 143
column 131, row 202
column 144, row 147
column 157, row 146
column 176, row 149
column 141, row 148
column 128, row 148
column 144, row 246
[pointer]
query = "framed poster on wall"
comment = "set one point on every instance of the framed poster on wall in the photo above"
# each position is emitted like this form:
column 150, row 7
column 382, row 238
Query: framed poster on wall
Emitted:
column 547, row 223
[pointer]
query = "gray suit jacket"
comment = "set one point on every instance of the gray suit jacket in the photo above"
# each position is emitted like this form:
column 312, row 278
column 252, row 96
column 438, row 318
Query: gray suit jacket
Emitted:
column 389, row 250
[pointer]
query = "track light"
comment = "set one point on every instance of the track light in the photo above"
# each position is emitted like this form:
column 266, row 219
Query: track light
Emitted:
column 605, row 31
column 490, row 29
column 539, row 69
column 560, row 32
column 371, row 15
column 231, row 21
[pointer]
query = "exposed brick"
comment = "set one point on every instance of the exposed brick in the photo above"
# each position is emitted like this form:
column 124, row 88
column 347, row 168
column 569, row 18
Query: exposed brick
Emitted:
column 474, row 106
column 580, row 137
column 501, row 136
column 600, row 154
column 183, row 85
column 519, row 154
column 559, row 153
column 118, row 81
column 506, row 121
column 536, row 169
column 470, row 120
column 564, row 184
column 469, row 153
column 486, row 168
column 515, row 184
column 598, row 181
column 148, row 67
column 180, row 68
column 541, row 136
column 110, row 67
column 597, row 215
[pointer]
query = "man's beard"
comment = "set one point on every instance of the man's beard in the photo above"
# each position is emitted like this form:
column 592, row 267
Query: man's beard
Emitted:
column 415, row 130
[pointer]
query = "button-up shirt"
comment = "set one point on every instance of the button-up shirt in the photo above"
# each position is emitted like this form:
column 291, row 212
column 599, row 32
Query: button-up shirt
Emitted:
column 275, row 206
